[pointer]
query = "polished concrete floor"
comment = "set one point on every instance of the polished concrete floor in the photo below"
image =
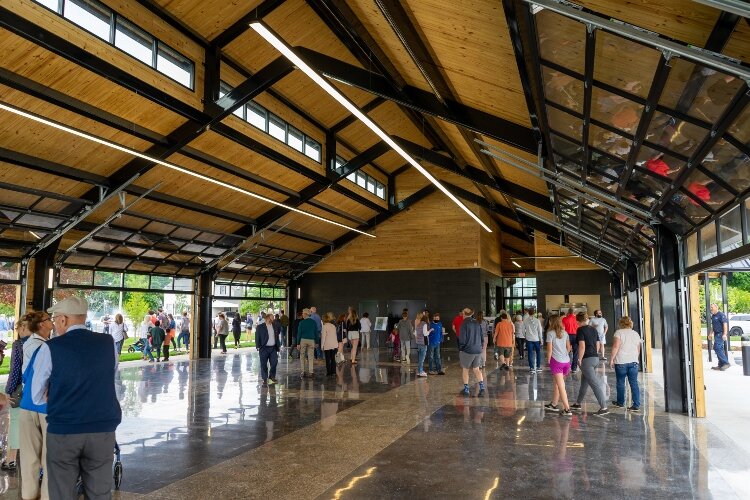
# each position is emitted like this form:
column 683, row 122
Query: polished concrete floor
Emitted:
column 206, row 429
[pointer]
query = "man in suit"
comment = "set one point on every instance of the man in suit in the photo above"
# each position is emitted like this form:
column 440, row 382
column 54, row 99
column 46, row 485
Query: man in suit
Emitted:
column 268, row 346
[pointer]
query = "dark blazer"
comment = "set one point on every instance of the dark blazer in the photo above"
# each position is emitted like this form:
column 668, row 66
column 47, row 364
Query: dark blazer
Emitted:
column 261, row 336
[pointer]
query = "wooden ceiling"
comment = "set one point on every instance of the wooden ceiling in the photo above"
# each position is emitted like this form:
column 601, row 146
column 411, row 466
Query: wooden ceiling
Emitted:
column 437, row 75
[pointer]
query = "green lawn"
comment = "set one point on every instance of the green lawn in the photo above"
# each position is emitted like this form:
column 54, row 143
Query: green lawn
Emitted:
column 126, row 356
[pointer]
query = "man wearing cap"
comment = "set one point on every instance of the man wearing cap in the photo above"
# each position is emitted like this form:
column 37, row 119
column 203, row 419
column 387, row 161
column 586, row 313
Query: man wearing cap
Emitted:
column 307, row 340
column 74, row 374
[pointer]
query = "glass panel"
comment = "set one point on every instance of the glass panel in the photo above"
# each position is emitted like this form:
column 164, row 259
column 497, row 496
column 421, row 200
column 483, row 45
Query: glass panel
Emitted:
column 361, row 180
column 352, row 177
column 102, row 278
column 312, row 149
column 276, row 127
column 240, row 112
column 184, row 284
column 624, row 64
column 740, row 129
column 730, row 227
column 563, row 89
column 174, row 65
column 713, row 90
column 10, row 270
column 371, row 185
column 645, row 188
column 295, row 138
column 707, row 190
column 708, row 241
column 161, row 282
column 614, row 110
column 256, row 116
column 565, row 123
column 136, row 281
column 90, row 16
column 50, row 4
column 380, row 191
column 72, row 276
column 676, row 135
column 728, row 163
column 561, row 40
column 609, row 142
column 134, row 41
column 39, row 221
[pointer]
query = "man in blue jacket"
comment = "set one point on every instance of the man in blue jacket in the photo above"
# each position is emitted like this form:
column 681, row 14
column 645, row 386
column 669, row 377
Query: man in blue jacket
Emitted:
column 470, row 350
column 268, row 347
column 433, row 347
column 74, row 374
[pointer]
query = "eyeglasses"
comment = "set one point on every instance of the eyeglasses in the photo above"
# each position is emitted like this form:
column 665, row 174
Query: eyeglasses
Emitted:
column 53, row 318
column 47, row 319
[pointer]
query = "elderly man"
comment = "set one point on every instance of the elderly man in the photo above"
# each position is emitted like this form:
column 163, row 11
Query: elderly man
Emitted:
column 268, row 347
column 719, row 331
column 74, row 374
column 319, row 325
column 308, row 338
column 470, row 350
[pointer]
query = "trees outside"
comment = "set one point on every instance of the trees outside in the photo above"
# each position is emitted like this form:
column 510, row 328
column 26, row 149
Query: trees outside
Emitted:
column 8, row 299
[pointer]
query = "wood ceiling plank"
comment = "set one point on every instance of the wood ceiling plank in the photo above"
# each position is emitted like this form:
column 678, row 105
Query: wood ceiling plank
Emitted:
column 209, row 18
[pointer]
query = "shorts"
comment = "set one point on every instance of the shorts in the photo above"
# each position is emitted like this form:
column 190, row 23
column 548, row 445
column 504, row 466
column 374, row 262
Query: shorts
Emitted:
column 469, row 360
column 602, row 338
column 353, row 335
column 505, row 351
column 556, row 367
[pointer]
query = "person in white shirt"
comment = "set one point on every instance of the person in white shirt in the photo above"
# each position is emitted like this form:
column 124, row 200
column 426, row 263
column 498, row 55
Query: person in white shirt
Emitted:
column 600, row 323
column 117, row 329
column 532, row 330
column 366, row 330
column 626, row 351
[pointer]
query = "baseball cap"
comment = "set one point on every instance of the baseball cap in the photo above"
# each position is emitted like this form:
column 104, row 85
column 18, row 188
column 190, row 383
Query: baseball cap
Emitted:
column 75, row 306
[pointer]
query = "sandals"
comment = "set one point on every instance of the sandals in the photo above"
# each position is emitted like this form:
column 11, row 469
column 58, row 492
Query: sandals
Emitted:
column 10, row 466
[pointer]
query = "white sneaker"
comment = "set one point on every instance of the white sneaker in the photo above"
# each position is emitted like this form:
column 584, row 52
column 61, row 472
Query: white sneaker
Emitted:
column 423, row 374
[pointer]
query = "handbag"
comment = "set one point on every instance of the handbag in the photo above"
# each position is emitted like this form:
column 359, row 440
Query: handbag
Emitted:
column 339, row 357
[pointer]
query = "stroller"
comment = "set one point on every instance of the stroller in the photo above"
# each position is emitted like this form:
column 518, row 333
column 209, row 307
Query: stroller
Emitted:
column 137, row 346
column 116, row 472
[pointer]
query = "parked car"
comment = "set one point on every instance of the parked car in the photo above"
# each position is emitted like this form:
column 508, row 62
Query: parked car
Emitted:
column 739, row 324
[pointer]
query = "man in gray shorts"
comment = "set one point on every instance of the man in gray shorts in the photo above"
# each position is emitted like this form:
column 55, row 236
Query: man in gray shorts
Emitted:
column 470, row 350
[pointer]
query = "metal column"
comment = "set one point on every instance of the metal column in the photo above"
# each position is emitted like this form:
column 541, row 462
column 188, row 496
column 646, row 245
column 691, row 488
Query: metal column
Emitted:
column 673, row 326
column 204, row 301
column 709, row 328
column 43, row 262
column 632, row 286
column 725, row 309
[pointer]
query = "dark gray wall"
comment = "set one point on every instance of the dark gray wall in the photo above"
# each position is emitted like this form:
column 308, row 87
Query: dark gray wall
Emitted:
column 578, row 283
column 444, row 291
column 494, row 281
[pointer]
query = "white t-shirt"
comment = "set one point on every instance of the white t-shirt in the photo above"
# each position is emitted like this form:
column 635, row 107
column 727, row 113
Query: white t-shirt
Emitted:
column 365, row 325
column 630, row 342
column 559, row 347
column 116, row 330
column 600, row 324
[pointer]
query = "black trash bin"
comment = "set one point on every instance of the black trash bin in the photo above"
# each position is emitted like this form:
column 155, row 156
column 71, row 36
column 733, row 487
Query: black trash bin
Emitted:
column 746, row 355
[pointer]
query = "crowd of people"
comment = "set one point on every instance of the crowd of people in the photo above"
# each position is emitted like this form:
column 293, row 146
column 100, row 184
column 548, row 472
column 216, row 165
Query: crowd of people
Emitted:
column 158, row 331
column 64, row 410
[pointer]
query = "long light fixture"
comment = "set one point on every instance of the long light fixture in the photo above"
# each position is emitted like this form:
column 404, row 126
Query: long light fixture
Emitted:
column 172, row 166
column 516, row 263
column 287, row 52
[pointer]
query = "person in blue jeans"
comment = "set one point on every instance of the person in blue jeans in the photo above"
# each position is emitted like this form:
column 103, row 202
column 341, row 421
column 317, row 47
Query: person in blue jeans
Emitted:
column 720, row 328
column 422, row 333
column 532, row 330
column 433, row 347
column 625, row 355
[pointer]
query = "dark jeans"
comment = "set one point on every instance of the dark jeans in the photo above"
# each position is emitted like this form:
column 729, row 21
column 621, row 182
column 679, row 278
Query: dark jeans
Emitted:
column 268, row 354
column 433, row 358
column 165, row 349
column 223, row 342
column 629, row 370
column 719, row 350
column 237, row 338
column 330, row 361
column 183, row 338
column 520, row 345
column 574, row 352
column 535, row 354
column 118, row 347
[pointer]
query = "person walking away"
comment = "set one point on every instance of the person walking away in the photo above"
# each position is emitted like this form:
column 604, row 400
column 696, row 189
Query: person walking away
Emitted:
column 353, row 327
column 456, row 324
column 276, row 323
column 32, row 417
column 484, row 324
column 405, row 330
column 719, row 331
column 222, row 331
column 503, row 340
column 248, row 326
column 600, row 323
column 158, row 336
column 82, row 408
column 237, row 330
column 558, row 359
column 532, row 331
column 520, row 338
column 13, row 387
column 588, row 359
column 146, row 326
column 184, row 337
column 329, row 343
column 307, row 340
column 268, row 346
column 340, row 337
column 470, row 351
column 118, row 330
column 571, row 326
column 433, row 346
column 293, row 332
column 366, row 332
column 626, row 351
column 284, row 321
column 423, row 334
column 319, row 324
column 172, row 330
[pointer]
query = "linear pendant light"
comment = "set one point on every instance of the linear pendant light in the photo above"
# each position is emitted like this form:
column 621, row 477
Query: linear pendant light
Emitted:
column 287, row 52
column 172, row 166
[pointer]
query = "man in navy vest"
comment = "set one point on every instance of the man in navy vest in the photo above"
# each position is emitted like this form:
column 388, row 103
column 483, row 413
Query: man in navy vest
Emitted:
column 74, row 374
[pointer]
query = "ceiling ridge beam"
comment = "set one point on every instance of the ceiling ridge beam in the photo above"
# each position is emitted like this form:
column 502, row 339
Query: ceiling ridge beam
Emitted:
column 243, row 24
